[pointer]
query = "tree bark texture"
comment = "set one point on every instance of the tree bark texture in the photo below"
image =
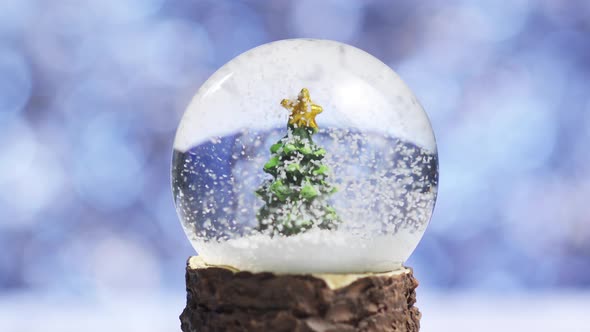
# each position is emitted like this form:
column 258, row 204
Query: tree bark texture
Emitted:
column 222, row 299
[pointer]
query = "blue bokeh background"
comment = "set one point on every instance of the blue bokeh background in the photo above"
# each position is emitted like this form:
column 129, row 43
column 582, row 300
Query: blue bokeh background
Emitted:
column 91, row 93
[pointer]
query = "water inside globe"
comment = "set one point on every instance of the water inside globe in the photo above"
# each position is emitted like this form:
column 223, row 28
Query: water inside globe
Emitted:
column 386, row 190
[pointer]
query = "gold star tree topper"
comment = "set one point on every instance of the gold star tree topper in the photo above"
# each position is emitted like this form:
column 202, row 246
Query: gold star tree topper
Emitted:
column 303, row 110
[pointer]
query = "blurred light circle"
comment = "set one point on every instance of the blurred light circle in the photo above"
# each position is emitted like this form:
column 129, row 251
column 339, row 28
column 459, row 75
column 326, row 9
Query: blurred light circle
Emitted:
column 114, row 258
column 520, row 128
column 438, row 90
column 531, row 203
column 565, row 13
column 433, row 255
column 234, row 28
column 34, row 192
column 176, row 52
column 14, row 15
column 548, row 74
column 63, row 40
column 337, row 20
column 495, row 21
column 19, row 147
column 88, row 98
column 117, row 10
column 15, row 82
column 165, row 112
column 162, row 211
column 108, row 164
column 30, row 170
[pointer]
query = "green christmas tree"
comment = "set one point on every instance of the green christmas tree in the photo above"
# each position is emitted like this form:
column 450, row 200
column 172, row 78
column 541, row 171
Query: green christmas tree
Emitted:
column 295, row 199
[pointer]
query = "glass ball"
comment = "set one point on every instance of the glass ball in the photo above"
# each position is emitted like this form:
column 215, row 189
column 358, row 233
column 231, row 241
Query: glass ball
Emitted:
column 305, row 156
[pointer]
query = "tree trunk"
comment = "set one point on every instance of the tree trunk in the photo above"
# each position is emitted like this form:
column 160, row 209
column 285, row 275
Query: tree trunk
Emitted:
column 223, row 299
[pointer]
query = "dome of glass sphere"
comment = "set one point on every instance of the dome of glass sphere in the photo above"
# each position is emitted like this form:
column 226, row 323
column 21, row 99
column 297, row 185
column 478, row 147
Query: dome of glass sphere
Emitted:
column 305, row 156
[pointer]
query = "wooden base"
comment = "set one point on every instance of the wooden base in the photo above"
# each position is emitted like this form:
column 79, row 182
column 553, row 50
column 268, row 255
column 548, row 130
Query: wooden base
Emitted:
column 223, row 299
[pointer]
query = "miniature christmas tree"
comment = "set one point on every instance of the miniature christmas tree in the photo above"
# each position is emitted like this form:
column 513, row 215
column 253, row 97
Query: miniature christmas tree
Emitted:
column 296, row 197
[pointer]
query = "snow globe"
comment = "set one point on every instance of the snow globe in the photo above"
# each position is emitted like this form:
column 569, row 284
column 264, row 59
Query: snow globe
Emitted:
column 304, row 157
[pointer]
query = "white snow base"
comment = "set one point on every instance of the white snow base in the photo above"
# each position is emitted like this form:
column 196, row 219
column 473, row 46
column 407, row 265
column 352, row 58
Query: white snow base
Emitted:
column 315, row 251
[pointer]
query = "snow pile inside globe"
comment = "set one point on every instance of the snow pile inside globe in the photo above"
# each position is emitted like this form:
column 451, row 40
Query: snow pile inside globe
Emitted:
column 305, row 156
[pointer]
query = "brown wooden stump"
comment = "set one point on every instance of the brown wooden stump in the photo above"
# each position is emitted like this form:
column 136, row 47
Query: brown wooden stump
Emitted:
column 223, row 299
